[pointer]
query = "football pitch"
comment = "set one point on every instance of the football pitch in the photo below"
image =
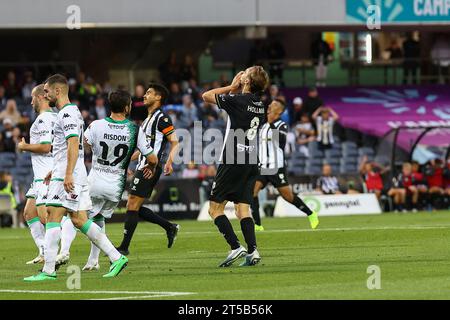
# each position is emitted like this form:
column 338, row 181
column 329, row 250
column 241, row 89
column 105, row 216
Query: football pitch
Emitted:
column 411, row 250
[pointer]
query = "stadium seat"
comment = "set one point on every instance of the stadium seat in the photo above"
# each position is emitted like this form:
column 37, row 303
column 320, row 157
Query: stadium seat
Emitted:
column 366, row 151
column 349, row 145
column 348, row 168
column 314, row 169
column 332, row 161
column 333, row 153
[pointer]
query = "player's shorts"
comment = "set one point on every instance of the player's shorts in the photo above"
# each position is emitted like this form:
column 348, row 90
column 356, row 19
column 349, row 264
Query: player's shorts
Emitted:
column 142, row 187
column 38, row 191
column 78, row 200
column 278, row 180
column 102, row 206
column 234, row 183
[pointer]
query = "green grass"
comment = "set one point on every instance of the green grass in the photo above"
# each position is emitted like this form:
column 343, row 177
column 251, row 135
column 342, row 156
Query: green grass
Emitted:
column 412, row 251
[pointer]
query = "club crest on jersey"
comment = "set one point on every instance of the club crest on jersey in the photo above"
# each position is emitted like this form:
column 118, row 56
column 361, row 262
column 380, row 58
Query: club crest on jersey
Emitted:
column 136, row 180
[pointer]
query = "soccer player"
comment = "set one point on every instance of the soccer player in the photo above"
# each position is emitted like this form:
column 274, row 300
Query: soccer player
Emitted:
column 41, row 137
column 271, row 156
column 68, row 191
column 159, row 131
column 235, row 178
column 113, row 141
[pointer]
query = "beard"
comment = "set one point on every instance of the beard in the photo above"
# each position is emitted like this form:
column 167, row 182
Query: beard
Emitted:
column 52, row 104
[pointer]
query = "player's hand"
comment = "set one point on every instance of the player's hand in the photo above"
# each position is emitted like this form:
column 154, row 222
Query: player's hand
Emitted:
column 68, row 183
column 21, row 144
column 168, row 169
column 47, row 178
column 147, row 172
column 236, row 83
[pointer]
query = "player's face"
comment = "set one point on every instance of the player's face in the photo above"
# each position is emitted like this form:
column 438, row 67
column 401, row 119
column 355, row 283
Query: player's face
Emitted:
column 274, row 111
column 245, row 79
column 150, row 97
column 50, row 93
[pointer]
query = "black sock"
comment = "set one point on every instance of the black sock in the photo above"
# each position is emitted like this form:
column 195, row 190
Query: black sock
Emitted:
column 255, row 211
column 150, row 216
column 226, row 229
column 301, row 205
column 131, row 221
column 248, row 230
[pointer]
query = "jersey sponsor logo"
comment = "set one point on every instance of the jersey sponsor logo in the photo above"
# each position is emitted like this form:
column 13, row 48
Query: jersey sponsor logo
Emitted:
column 116, row 126
column 66, row 115
column 114, row 137
column 70, row 126
column 242, row 147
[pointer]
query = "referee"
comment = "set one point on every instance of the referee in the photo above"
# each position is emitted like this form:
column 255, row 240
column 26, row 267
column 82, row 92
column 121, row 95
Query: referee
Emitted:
column 238, row 169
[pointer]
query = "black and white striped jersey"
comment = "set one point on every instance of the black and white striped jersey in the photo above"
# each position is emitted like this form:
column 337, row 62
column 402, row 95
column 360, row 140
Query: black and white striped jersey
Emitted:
column 157, row 127
column 328, row 185
column 272, row 140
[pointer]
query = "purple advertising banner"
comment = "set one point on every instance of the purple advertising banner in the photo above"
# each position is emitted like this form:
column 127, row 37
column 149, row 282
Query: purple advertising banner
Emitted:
column 377, row 110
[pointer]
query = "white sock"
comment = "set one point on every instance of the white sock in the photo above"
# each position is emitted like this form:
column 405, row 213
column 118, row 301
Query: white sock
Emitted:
column 95, row 234
column 37, row 231
column 68, row 233
column 95, row 251
column 52, row 237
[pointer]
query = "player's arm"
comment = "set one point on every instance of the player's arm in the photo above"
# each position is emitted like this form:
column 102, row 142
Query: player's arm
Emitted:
column 210, row 96
column 135, row 155
column 283, row 130
column 72, row 157
column 173, row 140
column 316, row 113
column 333, row 113
column 40, row 148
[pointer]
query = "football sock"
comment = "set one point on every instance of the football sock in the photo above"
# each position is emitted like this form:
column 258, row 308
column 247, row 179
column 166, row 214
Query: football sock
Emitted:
column 68, row 234
column 248, row 230
column 52, row 237
column 37, row 231
column 95, row 251
column 226, row 229
column 301, row 205
column 150, row 216
column 95, row 234
column 255, row 211
column 131, row 221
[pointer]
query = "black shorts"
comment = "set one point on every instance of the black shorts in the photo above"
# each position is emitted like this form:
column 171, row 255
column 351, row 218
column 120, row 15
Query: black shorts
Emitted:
column 142, row 187
column 234, row 183
column 278, row 180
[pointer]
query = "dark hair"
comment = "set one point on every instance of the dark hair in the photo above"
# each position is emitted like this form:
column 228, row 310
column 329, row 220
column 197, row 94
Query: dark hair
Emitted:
column 281, row 102
column 160, row 90
column 57, row 79
column 119, row 100
column 259, row 79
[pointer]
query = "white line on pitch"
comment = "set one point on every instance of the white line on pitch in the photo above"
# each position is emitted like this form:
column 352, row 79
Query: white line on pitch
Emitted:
column 159, row 293
column 141, row 297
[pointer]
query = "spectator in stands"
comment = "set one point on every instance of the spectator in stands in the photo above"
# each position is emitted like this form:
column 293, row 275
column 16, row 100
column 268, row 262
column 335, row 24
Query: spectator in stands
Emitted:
column 173, row 117
column 73, row 92
column 210, row 117
column 258, row 53
column 87, row 118
column 11, row 86
column 82, row 92
column 194, row 90
column 29, row 84
column 320, row 53
column 191, row 171
column 188, row 69
column 3, row 98
column 411, row 52
column 312, row 102
column 304, row 133
column 169, row 71
column 189, row 113
column 327, row 183
column 8, row 139
column 325, row 118
column 138, row 110
column 11, row 113
column 420, row 183
column 224, row 80
column 371, row 173
column 402, row 185
column 395, row 50
column 434, row 174
column 296, row 111
column 276, row 55
column 175, row 95
column 100, row 111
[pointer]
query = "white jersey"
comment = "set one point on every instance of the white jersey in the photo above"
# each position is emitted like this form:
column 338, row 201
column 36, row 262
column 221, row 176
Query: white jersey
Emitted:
column 41, row 132
column 272, row 141
column 69, row 124
column 113, row 143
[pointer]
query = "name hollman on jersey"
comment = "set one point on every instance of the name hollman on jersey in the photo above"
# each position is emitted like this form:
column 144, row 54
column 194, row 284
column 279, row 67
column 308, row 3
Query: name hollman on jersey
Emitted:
column 257, row 108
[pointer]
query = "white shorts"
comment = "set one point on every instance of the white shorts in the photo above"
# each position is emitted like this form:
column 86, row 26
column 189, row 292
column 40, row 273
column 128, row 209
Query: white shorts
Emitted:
column 102, row 206
column 38, row 191
column 78, row 200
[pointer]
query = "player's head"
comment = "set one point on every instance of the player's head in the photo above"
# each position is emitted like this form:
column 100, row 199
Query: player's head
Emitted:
column 156, row 94
column 275, row 110
column 56, row 87
column 415, row 166
column 327, row 170
column 406, row 168
column 255, row 79
column 38, row 99
column 120, row 102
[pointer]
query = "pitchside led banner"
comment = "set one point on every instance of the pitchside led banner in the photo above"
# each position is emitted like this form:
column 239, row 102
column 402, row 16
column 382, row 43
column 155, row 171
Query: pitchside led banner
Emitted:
column 399, row 11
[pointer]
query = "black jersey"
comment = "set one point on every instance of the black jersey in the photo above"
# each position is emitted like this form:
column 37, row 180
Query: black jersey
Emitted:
column 246, row 114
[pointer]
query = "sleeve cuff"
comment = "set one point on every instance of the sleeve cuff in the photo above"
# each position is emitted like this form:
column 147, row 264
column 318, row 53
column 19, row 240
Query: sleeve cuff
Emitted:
column 71, row 135
column 45, row 142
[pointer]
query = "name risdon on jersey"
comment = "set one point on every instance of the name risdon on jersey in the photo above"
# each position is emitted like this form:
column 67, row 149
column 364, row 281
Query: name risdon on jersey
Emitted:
column 69, row 123
column 41, row 132
column 245, row 112
column 113, row 143
column 157, row 127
